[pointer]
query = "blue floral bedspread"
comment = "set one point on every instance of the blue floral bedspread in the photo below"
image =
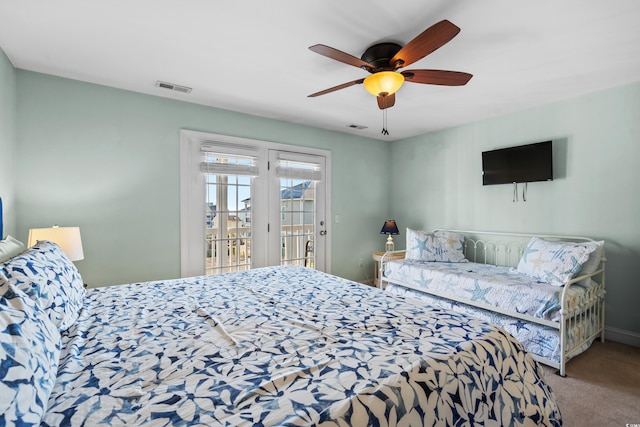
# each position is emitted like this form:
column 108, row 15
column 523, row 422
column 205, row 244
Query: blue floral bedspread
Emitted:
column 288, row 346
column 495, row 286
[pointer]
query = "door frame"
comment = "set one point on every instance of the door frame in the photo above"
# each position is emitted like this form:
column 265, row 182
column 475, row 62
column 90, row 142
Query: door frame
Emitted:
column 192, row 209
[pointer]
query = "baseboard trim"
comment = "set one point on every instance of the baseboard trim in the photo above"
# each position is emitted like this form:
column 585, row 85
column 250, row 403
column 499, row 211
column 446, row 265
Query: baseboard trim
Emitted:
column 622, row 336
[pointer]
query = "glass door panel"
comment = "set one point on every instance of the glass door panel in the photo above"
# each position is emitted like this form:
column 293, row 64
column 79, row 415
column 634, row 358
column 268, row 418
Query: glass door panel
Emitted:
column 299, row 201
column 297, row 225
column 228, row 223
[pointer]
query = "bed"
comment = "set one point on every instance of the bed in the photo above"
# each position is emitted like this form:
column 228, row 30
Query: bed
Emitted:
column 546, row 291
column 272, row 346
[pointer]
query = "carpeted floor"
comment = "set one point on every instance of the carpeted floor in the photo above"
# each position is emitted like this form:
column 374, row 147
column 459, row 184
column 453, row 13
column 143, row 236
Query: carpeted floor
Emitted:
column 602, row 387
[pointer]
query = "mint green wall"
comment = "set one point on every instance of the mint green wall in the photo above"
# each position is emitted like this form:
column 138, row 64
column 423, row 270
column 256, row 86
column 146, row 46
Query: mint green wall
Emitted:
column 436, row 182
column 7, row 141
column 107, row 160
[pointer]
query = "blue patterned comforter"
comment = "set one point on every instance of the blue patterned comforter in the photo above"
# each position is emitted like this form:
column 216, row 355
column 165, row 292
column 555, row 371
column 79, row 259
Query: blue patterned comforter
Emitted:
column 288, row 346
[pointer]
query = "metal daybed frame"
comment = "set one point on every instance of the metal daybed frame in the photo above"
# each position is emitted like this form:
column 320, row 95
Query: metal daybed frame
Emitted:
column 506, row 249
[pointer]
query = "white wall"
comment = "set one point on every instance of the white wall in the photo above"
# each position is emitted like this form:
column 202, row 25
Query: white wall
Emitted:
column 436, row 182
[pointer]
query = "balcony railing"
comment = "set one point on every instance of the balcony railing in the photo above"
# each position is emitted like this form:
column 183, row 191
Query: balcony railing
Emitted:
column 232, row 251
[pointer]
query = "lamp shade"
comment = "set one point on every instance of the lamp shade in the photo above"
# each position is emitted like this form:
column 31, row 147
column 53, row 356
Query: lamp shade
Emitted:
column 383, row 83
column 390, row 227
column 68, row 238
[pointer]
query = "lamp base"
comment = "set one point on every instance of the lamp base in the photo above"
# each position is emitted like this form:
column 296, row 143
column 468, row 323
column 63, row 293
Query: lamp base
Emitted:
column 389, row 245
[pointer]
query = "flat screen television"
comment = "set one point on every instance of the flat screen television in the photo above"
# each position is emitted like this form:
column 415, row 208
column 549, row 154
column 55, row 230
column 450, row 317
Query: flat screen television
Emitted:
column 524, row 163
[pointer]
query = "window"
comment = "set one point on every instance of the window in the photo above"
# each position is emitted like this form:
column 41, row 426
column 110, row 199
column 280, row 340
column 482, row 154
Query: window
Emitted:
column 228, row 238
column 248, row 204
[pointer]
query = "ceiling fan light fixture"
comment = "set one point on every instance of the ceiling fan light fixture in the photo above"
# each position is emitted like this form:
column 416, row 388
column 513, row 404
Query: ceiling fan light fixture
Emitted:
column 383, row 83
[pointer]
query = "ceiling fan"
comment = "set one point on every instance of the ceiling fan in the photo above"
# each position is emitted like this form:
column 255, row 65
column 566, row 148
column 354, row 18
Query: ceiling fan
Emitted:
column 383, row 60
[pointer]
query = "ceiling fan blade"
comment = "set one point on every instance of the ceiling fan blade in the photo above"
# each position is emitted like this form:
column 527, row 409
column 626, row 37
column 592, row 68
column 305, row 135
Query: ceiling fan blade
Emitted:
column 341, row 56
column 425, row 43
column 385, row 102
column 437, row 77
column 333, row 89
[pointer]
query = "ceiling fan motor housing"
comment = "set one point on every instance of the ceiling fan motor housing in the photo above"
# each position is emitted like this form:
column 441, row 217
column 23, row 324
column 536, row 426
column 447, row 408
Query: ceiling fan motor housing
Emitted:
column 379, row 56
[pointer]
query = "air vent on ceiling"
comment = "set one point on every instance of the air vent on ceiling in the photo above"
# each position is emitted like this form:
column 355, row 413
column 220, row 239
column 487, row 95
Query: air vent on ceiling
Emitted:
column 171, row 86
column 357, row 127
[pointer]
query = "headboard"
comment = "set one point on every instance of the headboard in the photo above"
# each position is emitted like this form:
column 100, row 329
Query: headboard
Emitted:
column 503, row 249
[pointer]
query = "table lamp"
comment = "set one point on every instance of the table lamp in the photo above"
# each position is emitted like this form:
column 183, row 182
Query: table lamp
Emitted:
column 389, row 228
column 68, row 238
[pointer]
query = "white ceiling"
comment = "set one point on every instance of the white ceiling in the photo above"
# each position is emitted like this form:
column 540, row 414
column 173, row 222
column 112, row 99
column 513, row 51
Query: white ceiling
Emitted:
column 252, row 56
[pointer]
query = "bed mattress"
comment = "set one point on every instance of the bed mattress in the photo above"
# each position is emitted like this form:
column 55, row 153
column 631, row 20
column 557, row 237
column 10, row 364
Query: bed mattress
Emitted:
column 287, row 346
column 496, row 286
column 543, row 341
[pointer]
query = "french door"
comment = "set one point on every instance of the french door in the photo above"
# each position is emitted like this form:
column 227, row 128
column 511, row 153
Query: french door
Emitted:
column 248, row 204
column 297, row 208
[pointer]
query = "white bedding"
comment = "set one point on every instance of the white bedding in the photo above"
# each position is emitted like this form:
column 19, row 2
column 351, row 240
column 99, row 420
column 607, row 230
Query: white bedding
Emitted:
column 495, row 286
column 543, row 341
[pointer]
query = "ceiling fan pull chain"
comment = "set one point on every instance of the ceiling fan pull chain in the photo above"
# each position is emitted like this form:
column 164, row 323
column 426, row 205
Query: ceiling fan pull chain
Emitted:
column 384, row 122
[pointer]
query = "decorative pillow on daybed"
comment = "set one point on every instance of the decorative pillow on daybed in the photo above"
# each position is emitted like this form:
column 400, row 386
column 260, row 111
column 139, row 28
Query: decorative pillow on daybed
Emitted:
column 595, row 257
column 29, row 354
column 443, row 246
column 555, row 262
column 10, row 247
column 46, row 274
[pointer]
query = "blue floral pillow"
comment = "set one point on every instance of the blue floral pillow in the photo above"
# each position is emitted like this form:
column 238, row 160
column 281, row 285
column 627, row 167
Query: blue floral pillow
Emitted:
column 44, row 273
column 29, row 354
column 554, row 262
column 443, row 246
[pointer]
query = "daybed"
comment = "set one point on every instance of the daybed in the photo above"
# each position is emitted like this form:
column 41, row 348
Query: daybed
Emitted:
column 272, row 346
column 546, row 291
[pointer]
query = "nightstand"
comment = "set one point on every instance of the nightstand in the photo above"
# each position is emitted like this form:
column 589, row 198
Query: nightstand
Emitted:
column 377, row 257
